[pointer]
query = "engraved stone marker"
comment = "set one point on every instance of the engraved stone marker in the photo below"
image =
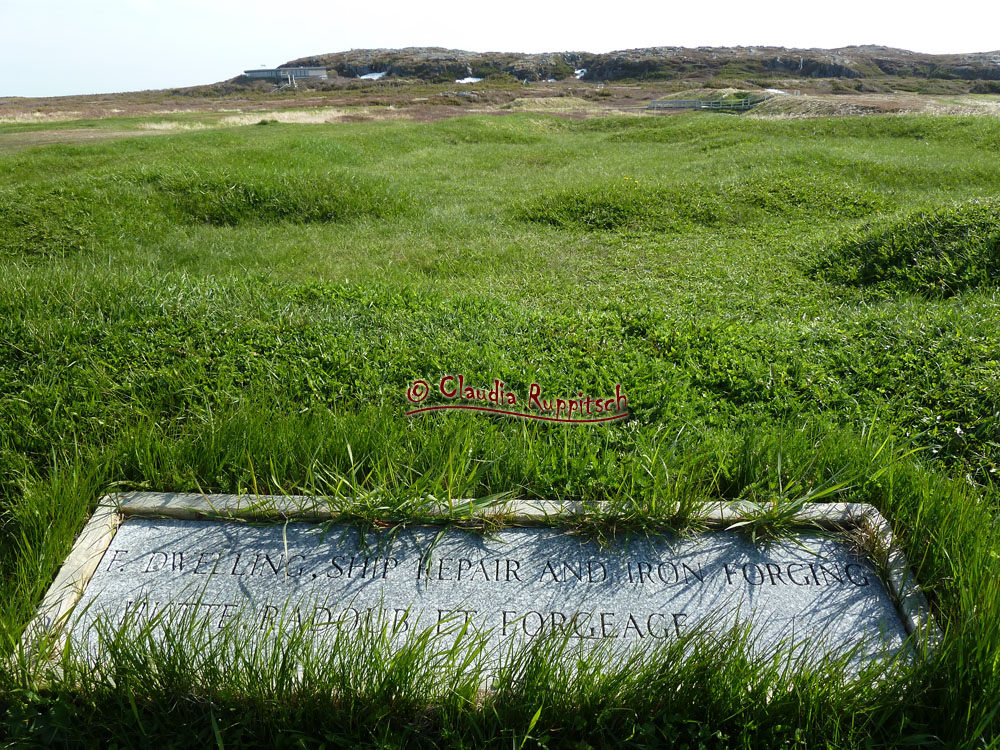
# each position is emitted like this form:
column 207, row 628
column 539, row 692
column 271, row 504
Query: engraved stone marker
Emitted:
column 814, row 590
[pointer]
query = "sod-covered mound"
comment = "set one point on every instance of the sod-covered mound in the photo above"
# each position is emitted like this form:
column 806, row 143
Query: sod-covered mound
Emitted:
column 626, row 206
column 940, row 252
column 76, row 214
column 247, row 197
column 630, row 205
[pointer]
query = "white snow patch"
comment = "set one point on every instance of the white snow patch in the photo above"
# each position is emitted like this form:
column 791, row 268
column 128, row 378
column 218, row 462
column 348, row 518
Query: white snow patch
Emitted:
column 371, row 76
column 470, row 79
column 776, row 91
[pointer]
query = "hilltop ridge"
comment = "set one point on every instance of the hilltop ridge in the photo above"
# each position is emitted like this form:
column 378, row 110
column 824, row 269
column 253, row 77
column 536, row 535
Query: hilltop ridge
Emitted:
column 660, row 63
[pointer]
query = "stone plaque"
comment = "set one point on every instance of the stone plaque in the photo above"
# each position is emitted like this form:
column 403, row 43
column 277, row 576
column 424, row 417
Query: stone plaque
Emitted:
column 812, row 591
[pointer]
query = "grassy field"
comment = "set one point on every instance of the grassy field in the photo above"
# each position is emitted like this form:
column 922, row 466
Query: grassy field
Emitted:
column 787, row 304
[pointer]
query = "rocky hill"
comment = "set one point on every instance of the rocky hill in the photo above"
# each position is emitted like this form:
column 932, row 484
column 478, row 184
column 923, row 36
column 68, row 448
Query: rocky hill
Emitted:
column 661, row 63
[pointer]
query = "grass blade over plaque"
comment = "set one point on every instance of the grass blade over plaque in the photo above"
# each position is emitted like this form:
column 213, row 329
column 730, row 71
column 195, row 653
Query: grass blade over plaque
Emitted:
column 436, row 686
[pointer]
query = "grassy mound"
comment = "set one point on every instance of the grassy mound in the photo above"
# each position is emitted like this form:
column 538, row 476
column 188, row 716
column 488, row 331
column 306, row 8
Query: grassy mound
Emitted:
column 485, row 129
column 625, row 205
column 628, row 205
column 57, row 218
column 235, row 198
column 783, row 195
column 936, row 252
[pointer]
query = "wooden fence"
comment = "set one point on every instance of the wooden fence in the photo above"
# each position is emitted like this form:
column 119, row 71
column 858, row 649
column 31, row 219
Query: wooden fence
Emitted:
column 719, row 104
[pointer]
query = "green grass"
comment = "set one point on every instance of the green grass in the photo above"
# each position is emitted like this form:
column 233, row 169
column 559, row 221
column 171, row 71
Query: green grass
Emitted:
column 243, row 309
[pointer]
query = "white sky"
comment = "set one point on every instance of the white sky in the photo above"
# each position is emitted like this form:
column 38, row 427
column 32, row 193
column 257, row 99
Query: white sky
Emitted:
column 56, row 47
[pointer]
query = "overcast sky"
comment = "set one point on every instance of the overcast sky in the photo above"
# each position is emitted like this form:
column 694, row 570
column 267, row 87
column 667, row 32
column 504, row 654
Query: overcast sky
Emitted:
column 56, row 47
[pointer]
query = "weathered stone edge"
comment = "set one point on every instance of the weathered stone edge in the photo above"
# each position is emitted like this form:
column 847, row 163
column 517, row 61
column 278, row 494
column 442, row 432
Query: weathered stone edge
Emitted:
column 903, row 586
column 99, row 531
column 191, row 506
column 73, row 576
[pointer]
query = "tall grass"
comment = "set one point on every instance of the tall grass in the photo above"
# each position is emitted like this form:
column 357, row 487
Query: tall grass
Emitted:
column 446, row 689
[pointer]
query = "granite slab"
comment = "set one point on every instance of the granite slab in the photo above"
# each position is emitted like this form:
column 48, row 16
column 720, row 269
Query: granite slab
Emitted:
column 813, row 593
